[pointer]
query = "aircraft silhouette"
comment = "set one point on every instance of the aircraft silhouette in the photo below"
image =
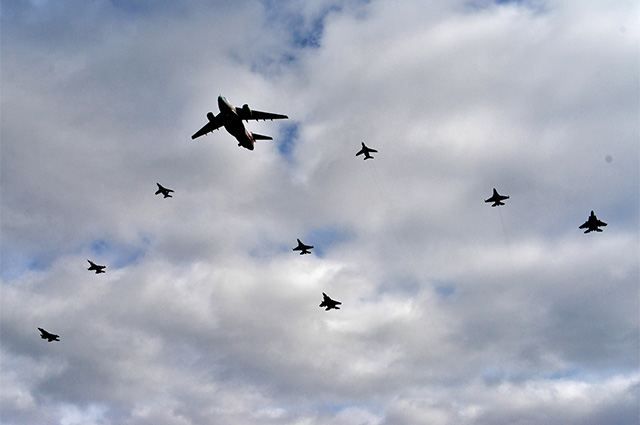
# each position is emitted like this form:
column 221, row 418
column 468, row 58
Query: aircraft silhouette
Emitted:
column 48, row 336
column 496, row 198
column 231, row 118
column 592, row 224
column 329, row 303
column 98, row 269
column 164, row 191
column 304, row 249
column 366, row 151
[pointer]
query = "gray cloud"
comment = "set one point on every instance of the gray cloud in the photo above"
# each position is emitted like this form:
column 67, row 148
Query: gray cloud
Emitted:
column 453, row 311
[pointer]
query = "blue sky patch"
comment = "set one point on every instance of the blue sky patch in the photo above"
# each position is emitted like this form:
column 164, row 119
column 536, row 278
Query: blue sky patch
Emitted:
column 324, row 238
column 289, row 135
column 117, row 255
column 444, row 289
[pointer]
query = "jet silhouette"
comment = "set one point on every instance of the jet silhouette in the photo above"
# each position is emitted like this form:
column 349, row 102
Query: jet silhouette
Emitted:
column 231, row 118
column 304, row 249
column 164, row 191
column 329, row 303
column 49, row 337
column 592, row 224
column 366, row 151
column 98, row 269
column 496, row 198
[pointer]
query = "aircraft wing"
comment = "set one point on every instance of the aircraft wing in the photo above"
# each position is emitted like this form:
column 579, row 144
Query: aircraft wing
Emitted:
column 213, row 124
column 259, row 115
column 584, row 225
column 257, row 136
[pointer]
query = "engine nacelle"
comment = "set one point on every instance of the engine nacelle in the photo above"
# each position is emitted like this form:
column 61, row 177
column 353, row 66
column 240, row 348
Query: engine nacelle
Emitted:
column 210, row 116
column 246, row 111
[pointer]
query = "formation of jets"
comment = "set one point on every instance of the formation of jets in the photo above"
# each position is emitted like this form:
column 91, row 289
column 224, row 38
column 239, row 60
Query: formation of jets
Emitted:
column 232, row 119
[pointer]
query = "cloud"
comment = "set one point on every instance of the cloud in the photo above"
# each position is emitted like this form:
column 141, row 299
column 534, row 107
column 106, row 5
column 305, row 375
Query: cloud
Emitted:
column 453, row 311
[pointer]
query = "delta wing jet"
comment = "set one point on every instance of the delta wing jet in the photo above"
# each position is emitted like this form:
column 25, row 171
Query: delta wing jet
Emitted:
column 304, row 249
column 164, row 191
column 48, row 336
column 366, row 151
column 496, row 198
column 231, row 118
column 94, row 267
column 329, row 303
column 593, row 224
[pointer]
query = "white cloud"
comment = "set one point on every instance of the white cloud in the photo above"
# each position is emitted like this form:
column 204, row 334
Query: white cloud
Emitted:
column 453, row 311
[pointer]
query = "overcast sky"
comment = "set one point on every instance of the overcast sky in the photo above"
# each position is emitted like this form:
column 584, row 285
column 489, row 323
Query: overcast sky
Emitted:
column 453, row 312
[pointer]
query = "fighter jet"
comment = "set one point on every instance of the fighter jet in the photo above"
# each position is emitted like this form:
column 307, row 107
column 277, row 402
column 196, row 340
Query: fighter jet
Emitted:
column 592, row 224
column 304, row 249
column 164, row 191
column 329, row 303
column 496, row 198
column 98, row 269
column 49, row 337
column 366, row 151
column 231, row 118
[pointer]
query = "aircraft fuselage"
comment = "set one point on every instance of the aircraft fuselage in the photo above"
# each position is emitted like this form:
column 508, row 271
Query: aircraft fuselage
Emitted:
column 234, row 125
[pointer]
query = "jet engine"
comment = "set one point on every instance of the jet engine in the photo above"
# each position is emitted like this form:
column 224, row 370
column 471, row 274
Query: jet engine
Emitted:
column 210, row 116
column 246, row 111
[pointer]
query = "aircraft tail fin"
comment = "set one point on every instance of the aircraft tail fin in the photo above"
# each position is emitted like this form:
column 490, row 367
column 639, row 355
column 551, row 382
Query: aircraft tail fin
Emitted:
column 257, row 136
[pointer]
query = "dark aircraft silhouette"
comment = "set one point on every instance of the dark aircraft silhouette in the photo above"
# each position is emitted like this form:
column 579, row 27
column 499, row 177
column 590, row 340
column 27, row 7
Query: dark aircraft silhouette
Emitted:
column 164, row 191
column 231, row 118
column 304, row 249
column 366, row 151
column 592, row 224
column 98, row 269
column 329, row 303
column 49, row 337
column 496, row 198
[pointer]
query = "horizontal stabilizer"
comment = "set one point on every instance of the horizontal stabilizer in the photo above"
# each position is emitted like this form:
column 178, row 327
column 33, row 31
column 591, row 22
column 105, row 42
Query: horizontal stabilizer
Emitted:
column 257, row 136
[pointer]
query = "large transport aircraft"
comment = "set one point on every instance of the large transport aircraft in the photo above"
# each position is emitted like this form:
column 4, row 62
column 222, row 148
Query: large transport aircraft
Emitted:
column 231, row 118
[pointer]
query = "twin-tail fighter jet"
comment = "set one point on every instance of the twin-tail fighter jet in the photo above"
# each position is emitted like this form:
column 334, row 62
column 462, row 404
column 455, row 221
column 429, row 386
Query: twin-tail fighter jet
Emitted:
column 94, row 267
column 231, row 118
column 48, row 336
column 593, row 224
column 496, row 198
column 304, row 249
column 366, row 151
column 329, row 303
column 164, row 191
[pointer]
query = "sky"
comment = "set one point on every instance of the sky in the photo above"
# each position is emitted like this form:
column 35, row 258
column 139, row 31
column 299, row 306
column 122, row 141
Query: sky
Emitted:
column 453, row 312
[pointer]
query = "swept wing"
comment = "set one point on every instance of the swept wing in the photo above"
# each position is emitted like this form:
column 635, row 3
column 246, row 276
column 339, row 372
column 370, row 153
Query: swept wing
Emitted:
column 215, row 122
column 246, row 114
